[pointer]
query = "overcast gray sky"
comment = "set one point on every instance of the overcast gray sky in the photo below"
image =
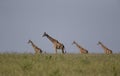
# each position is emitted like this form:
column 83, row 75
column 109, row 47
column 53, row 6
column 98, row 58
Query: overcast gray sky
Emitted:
column 85, row 21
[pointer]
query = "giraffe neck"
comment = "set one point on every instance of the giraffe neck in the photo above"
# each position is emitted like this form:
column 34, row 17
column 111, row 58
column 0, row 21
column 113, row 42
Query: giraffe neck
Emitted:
column 78, row 45
column 33, row 45
column 103, row 46
column 51, row 39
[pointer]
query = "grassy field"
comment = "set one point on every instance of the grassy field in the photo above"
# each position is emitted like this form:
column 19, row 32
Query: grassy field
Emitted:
column 13, row 64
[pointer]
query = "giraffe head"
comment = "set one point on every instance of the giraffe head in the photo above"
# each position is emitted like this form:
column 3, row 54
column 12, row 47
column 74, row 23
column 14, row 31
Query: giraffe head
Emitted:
column 99, row 43
column 29, row 41
column 73, row 42
column 45, row 34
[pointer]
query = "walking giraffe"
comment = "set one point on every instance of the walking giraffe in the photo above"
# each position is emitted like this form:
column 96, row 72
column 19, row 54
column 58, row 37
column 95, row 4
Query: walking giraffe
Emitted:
column 56, row 43
column 36, row 49
column 82, row 50
column 106, row 50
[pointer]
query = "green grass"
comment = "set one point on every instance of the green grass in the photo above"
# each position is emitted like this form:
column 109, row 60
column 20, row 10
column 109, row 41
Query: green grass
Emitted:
column 13, row 64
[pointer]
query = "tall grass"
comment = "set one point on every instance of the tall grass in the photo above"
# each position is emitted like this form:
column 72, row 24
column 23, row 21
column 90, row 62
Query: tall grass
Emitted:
column 59, row 65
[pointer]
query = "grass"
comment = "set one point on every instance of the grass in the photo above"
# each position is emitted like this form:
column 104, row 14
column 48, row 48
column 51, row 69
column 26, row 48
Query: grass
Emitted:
column 13, row 64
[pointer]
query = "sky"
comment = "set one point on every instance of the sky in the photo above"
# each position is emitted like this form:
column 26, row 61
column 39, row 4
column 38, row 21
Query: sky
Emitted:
column 85, row 21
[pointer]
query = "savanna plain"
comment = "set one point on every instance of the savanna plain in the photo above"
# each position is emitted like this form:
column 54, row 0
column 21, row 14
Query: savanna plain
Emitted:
column 26, row 64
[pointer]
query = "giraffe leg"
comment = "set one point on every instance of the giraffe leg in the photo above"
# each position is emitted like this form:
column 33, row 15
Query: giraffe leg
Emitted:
column 63, row 51
column 56, row 50
column 63, row 48
column 35, row 53
column 111, row 52
column 107, row 52
column 87, row 52
column 82, row 52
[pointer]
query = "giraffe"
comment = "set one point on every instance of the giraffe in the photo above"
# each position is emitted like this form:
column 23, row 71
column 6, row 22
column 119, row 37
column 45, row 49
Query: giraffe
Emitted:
column 106, row 50
column 56, row 43
column 36, row 49
column 82, row 50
